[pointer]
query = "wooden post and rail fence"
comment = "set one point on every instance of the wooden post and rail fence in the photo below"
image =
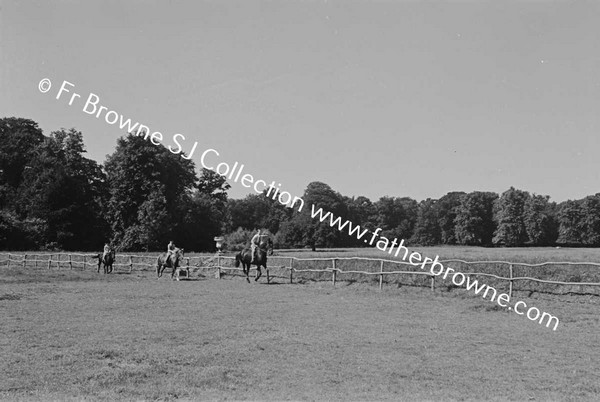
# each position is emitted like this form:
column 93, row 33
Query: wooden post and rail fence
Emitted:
column 297, row 267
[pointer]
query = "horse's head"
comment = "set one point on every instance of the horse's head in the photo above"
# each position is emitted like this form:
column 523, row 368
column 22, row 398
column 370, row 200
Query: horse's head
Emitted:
column 267, row 246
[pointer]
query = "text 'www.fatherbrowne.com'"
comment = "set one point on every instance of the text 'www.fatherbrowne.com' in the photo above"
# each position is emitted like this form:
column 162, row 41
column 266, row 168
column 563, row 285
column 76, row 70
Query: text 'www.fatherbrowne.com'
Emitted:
column 436, row 268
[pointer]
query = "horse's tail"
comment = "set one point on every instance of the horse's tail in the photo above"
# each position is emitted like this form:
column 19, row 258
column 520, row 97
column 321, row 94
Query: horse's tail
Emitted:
column 238, row 257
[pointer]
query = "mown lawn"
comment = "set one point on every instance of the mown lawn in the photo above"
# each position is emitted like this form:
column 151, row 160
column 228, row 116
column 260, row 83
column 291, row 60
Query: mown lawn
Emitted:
column 73, row 334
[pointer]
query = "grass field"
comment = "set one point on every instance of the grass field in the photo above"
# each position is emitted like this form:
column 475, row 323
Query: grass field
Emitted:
column 75, row 334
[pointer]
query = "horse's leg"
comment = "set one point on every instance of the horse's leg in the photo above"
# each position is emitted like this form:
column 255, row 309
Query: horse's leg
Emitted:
column 247, row 271
column 258, row 272
column 158, row 272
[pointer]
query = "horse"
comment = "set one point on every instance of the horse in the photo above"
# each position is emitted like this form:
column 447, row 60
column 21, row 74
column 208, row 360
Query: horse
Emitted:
column 107, row 261
column 163, row 261
column 245, row 258
column 267, row 245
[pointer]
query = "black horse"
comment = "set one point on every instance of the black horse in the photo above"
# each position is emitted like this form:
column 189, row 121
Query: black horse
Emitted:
column 267, row 245
column 245, row 258
column 163, row 261
column 107, row 261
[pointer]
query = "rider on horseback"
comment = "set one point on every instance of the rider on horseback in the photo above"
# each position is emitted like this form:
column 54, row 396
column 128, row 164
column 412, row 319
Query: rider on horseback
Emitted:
column 107, row 250
column 253, row 244
column 170, row 251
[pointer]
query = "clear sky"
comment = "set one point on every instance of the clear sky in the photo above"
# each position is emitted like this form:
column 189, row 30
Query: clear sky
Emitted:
column 398, row 98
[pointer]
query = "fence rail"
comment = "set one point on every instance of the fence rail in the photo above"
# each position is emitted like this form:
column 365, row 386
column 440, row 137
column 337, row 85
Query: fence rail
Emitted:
column 297, row 266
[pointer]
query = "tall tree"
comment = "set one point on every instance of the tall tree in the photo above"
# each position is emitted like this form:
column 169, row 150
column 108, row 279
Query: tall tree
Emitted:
column 256, row 211
column 510, row 218
column 475, row 219
column 150, row 190
column 591, row 220
column 64, row 189
column 214, row 186
column 312, row 232
column 361, row 211
column 396, row 216
column 540, row 222
column 447, row 209
column 571, row 222
column 19, row 138
column 427, row 230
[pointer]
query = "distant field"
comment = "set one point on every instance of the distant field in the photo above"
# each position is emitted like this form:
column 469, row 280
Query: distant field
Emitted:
column 75, row 334
column 520, row 254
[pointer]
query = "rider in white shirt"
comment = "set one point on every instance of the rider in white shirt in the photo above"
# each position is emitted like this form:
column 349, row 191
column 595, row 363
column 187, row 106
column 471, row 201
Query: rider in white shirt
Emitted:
column 254, row 243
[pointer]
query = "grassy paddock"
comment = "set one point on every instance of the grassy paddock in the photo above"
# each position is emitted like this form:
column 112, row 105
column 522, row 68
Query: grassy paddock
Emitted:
column 75, row 334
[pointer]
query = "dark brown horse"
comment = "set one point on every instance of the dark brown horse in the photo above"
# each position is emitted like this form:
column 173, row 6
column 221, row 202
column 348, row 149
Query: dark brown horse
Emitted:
column 245, row 258
column 173, row 262
column 267, row 245
column 107, row 261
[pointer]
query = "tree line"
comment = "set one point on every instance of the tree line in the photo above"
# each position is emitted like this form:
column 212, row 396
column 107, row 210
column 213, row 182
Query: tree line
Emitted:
column 143, row 196
column 514, row 218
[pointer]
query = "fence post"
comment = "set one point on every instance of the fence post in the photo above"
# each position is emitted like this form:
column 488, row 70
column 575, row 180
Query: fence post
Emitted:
column 381, row 276
column 130, row 263
column 8, row 264
column 510, row 282
column 334, row 275
column 291, row 270
column 49, row 261
column 70, row 262
column 84, row 262
column 187, row 267
column 24, row 260
column 219, row 265
column 35, row 261
column 58, row 261
column 432, row 283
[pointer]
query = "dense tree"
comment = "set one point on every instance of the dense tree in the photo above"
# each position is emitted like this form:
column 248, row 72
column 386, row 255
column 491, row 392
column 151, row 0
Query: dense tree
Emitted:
column 475, row 219
column 510, row 218
column 427, row 230
column 571, row 222
column 361, row 211
column 150, row 190
column 214, row 186
column 301, row 228
column 256, row 211
column 16, row 234
column 19, row 138
column 64, row 189
column 540, row 222
column 396, row 216
column 591, row 220
column 447, row 209
column 297, row 232
column 201, row 223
